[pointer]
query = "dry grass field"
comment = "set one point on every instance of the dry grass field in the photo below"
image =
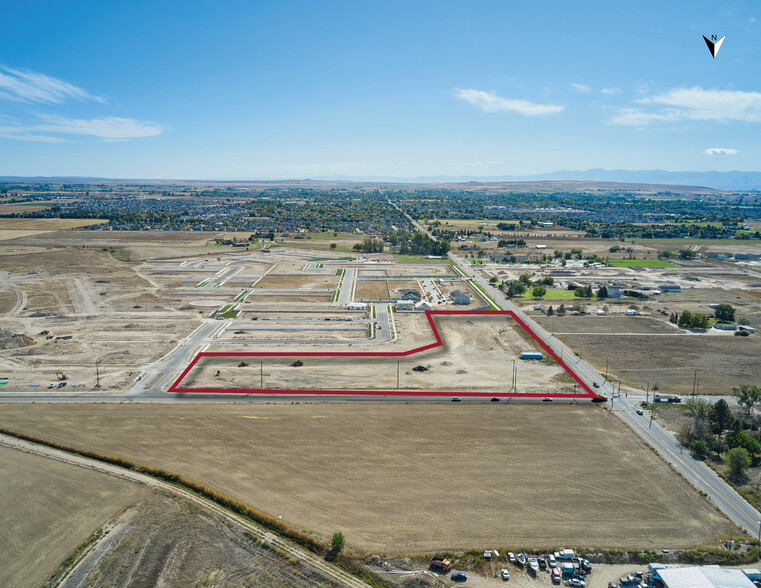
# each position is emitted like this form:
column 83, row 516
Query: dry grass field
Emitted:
column 371, row 290
column 410, row 478
column 47, row 508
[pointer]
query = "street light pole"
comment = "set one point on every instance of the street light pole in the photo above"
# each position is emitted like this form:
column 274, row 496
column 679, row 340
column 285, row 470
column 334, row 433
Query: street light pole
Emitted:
column 759, row 540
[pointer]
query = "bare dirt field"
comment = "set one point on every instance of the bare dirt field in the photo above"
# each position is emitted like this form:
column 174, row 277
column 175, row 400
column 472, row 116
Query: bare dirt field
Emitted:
column 47, row 508
column 169, row 541
column 722, row 361
column 371, row 290
column 79, row 305
column 477, row 356
column 605, row 324
column 306, row 282
column 511, row 475
column 46, row 224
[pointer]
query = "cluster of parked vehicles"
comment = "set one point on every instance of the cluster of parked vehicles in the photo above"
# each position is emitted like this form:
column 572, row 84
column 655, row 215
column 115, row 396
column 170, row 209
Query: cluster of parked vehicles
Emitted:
column 563, row 566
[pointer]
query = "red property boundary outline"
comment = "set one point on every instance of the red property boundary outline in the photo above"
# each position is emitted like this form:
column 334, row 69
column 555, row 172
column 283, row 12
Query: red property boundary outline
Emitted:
column 588, row 392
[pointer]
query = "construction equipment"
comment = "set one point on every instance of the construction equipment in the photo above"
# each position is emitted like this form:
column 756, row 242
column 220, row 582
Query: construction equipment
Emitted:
column 61, row 376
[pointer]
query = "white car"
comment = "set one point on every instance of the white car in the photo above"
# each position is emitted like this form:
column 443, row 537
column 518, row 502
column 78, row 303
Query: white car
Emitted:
column 505, row 575
column 551, row 561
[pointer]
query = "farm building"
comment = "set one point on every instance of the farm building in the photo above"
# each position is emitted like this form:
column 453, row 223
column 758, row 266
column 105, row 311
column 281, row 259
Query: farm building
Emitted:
column 405, row 305
column 461, row 297
column 703, row 577
column 668, row 287
column 725, row 326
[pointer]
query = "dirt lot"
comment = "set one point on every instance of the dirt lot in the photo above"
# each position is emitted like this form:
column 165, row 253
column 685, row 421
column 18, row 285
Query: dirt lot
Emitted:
column 169, row 541
column 605, row 324
column 722, row 361
column 477, row 356
column 517, row 475
column 47, row 508
column 307, row 282
column 371, row 290
column 80, row 305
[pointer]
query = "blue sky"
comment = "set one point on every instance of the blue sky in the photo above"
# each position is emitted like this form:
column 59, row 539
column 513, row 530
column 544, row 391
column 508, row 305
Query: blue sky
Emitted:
column 228, row 89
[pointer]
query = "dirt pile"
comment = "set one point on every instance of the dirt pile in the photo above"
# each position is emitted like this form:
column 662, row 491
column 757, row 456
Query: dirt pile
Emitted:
column 9, row 341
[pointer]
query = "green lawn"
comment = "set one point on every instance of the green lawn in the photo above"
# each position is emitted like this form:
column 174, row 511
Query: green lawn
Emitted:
column 417, row 259
column 553, row 294
column 641, row 263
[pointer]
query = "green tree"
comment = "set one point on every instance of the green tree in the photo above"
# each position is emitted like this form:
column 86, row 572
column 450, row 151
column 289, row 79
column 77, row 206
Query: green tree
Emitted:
column 602, row 292
column 685, row 319
column 338, row 542
column 725, row 313
column 538, row 291
column 548, row 280
column 561, row 310
column 493, row 280
column 747, row 396
column 525, row 279
column 720, row 416
column 699, row 448
column 742, row 439
column 737, row 460
column 550, row 311
column 333, row 245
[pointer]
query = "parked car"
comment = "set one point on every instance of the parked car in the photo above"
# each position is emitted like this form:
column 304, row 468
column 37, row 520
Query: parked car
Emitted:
column 53, row 385
column 585, row 565
column 61, row 384
column 577, row 583
column 505, row 575
column 459, row 577
column 456, row 399
column 596, row 384
column 555, row 576
column 612, row 585
column 521, row 559
column 546, row 399
column 542, row 564
column 551, row 561
column 495, row 399
column 511, row 557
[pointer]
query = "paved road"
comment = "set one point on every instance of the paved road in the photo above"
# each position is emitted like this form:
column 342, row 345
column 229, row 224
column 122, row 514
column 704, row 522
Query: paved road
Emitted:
column 262, row 533
column 347, row 286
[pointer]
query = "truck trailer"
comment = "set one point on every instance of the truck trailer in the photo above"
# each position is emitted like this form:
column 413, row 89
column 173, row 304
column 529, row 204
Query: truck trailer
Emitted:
column 531, row 355
column 673, row 398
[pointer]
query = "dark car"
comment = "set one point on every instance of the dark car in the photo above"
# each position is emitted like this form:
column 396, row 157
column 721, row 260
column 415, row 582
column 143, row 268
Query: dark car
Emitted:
column 596, row 384
column 62, row 384
column 542, row 563
column 495, row 399
column 546, row 399
column 456, row 399
column 459, row 577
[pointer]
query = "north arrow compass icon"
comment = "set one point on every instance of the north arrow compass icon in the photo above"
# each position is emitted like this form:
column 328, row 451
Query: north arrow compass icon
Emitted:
column 713, row 44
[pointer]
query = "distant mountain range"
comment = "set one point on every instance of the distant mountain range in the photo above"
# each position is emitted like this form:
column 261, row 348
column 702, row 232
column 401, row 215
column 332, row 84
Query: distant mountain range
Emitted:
column 732, row 180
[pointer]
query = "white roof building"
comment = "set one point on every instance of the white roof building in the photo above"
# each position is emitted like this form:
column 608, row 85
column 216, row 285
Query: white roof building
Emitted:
column 704, row 577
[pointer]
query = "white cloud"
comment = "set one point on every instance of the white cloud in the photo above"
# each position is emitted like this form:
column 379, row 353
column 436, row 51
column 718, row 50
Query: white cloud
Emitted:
column 721, row 151
column 111, row 128
column 581, row 87
column 48, row 129
column 490, row 102
column 611, row 91
column 29, row 86
column 694, row 104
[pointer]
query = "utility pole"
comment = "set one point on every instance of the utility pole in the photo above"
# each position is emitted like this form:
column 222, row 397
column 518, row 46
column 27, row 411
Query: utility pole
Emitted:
column 694, row 383
column 261, row 375
column 397, row 375
column 606, row 368
column 97, row 373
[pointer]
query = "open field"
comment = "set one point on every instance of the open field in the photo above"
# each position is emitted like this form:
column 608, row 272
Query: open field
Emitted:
column 46, row 224
column 371, row 290
column 169, row 541
column 543, row 476
column 47, row 508
column 610, row 325
column 722, row 361
column 641, row 263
